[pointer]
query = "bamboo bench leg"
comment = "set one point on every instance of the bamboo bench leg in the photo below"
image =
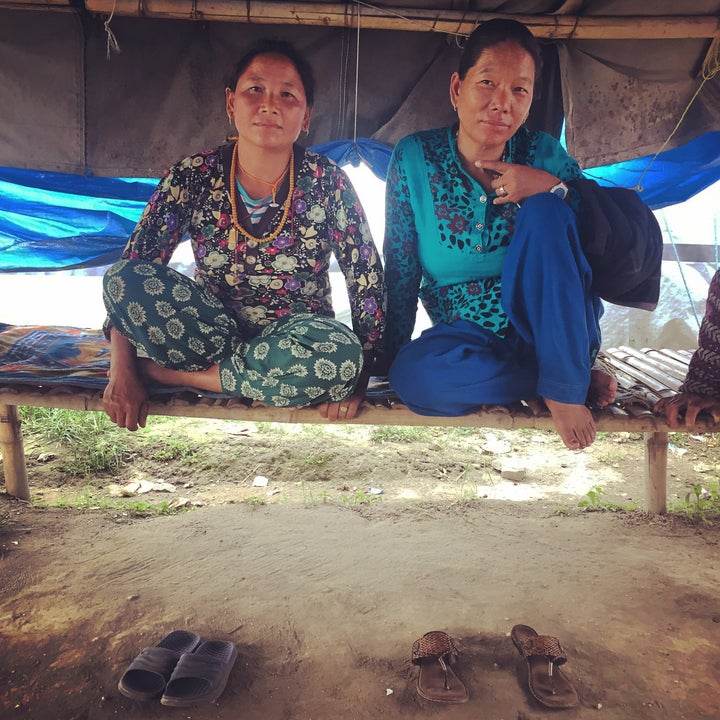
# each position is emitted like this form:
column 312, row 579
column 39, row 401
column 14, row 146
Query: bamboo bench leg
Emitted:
column 656, row 448
column 13, row 453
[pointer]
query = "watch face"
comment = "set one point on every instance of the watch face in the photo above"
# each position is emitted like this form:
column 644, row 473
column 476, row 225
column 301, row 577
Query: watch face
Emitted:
column 560, row 190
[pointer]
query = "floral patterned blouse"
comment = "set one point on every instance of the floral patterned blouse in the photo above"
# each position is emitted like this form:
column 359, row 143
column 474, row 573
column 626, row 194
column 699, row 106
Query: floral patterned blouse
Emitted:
column 262, row 282
column 445, row 240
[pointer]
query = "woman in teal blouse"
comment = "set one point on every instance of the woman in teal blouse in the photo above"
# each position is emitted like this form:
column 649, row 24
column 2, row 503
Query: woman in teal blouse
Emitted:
column 480, row 225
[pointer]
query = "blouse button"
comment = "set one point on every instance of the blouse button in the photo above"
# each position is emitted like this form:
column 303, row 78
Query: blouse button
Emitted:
column 483, row 198
column 479, row 226
column 478, row 248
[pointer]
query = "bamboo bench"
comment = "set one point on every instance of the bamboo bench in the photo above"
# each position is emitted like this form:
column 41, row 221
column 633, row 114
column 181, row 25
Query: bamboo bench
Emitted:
column 644, row 376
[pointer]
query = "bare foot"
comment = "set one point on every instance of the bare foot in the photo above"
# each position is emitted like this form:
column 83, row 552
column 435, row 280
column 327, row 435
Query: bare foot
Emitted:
column 574, row 424
column 603, row 387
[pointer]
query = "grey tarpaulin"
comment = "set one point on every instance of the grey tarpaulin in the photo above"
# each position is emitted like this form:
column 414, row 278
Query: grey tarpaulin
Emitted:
column 67, row 107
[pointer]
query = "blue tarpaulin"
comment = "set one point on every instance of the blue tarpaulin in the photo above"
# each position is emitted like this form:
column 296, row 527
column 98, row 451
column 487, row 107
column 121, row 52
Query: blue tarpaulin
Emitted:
column 53, row 221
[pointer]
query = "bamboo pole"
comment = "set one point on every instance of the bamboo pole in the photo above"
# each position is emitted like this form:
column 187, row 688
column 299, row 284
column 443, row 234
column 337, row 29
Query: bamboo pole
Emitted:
column 656, row 449
column 54, row 5
column 13, row 453
column 411, row 19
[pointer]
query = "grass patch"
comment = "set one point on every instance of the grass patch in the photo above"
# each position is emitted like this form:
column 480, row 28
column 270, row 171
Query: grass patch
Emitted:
column 402, row 434
column 87, row 500
column 92, row 442
column 172, row 449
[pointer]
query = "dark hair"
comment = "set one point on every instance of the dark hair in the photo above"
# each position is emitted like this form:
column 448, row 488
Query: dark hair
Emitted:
column 494, row 32
column 272, row 46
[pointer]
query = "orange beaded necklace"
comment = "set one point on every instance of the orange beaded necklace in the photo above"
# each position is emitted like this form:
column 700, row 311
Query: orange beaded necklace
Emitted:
column 286, row 205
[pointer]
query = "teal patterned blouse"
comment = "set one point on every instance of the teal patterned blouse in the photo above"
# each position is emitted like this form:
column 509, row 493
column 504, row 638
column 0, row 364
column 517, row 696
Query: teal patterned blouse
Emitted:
column 445, row 241
column 261, row 282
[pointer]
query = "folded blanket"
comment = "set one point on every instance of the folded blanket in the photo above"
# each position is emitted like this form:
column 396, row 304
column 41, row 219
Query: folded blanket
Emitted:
column 53, row 355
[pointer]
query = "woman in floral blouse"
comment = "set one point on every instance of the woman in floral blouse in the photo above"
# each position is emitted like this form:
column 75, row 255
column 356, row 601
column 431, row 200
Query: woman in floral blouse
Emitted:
column 264, row 217
column 482, row 227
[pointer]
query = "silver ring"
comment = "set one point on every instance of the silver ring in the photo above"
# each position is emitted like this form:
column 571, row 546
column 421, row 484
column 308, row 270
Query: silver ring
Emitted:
column 501, row 191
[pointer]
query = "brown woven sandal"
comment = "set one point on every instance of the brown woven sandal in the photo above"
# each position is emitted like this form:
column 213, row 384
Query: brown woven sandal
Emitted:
column 543, row 655
column 434, row 652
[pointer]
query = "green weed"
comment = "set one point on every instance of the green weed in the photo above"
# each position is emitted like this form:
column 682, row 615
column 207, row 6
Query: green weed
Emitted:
column 465, row 490
column 700, row 503
column 361, row 498
column 317, row 460
column 255, row 501
column 678, row 439
column 592, row 502
column 310, row 498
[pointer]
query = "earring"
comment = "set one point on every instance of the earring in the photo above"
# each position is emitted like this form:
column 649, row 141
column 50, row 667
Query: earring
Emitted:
column 230, row 119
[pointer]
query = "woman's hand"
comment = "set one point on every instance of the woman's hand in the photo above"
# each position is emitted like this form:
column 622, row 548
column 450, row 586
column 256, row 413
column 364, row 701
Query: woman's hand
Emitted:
column 125, row 400
column 344, row 410
column 689, row 403
column 347, row 408
column 515, row 183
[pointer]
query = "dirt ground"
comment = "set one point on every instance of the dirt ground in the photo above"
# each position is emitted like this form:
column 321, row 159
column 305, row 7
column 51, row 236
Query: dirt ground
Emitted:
column 324, row 582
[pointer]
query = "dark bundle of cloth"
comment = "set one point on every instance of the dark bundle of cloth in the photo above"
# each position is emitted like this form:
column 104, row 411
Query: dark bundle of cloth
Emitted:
column 623, row 243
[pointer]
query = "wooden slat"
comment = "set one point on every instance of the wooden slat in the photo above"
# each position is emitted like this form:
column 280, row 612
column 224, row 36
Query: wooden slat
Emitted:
column 632, row 417
column 650, row 367
column 619, row 360
column 678, row 367
column 645, row 375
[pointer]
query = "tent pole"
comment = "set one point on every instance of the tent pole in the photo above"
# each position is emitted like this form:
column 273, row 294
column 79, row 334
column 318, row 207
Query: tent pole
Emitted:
column 13, row 453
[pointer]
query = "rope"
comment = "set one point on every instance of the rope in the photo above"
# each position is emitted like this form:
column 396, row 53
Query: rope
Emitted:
column 357, row 74
column 112, row 43
column 710, row 68
column 430, row 26
column 342, row 77
column 682, row 272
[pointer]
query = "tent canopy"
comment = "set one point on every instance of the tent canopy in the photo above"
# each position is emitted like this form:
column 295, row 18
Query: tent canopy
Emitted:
column 127, row 87
column 124, row 88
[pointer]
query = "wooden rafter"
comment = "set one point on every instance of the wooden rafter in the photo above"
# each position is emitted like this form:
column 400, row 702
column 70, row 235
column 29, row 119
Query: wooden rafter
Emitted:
column 559, row 26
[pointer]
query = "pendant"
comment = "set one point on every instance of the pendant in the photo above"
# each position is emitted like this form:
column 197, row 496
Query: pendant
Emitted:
column 273, row 205
column 232, row 238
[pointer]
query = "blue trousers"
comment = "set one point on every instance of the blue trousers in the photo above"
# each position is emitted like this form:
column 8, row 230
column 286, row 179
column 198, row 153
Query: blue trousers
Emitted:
column 550, row 344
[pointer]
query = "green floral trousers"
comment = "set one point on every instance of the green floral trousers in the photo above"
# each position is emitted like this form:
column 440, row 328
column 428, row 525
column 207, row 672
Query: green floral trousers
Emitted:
column 301, row 359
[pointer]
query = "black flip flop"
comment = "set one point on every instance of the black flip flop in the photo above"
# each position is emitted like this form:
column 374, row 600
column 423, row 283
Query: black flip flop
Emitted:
column 149, row 672
column 201, row 676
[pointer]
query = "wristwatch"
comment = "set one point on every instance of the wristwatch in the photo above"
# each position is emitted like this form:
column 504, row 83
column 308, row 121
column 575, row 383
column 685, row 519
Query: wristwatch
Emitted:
column 561, row 190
